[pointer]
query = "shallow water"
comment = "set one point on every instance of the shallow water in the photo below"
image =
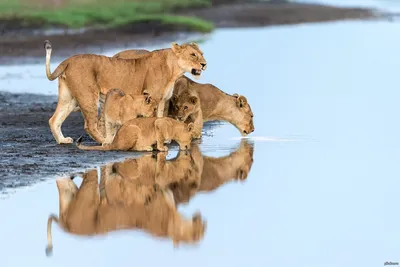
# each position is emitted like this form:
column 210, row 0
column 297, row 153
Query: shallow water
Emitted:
column 323, row 188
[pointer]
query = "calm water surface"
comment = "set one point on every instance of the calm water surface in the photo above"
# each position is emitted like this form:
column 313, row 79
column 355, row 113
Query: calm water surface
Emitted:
column 323, row 188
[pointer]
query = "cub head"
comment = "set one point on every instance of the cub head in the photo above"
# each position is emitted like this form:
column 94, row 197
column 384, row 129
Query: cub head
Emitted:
column 146, row 105
column 184, row 105
column 242, row 115
column 190, row 58
column 184, row 136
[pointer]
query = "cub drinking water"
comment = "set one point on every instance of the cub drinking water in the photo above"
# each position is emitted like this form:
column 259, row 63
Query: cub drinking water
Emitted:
column 147, row 134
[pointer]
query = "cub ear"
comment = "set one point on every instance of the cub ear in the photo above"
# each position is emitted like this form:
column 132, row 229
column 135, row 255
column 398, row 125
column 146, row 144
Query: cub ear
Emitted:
column 176, row 48
column 190, row 126
column 235, row 95
column 148, row 99
column 193, row 100
column 241, row 101
column 174, row 98
column 145, row 92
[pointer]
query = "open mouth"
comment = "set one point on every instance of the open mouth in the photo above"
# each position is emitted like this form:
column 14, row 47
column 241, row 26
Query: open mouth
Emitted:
column 196, row 72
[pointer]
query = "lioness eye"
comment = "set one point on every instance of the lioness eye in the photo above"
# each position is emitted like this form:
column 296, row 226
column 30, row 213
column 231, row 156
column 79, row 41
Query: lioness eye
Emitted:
column 185, row 108
column 193, row 54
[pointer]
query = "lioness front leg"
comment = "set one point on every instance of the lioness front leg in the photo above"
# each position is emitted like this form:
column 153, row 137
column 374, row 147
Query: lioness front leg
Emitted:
column 161, row 108
column 160, row 130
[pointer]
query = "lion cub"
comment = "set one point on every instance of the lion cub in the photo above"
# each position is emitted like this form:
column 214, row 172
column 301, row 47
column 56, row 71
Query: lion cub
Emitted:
column 120, row 108
column 185, row 106
column 147, row 134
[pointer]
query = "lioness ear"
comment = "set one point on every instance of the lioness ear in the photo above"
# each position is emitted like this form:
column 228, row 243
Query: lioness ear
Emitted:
column 176, row 48
column 145, row 92
column 235, row 95
column 190, row 126
column 196, row 46
column 241, row 101
column 193, row 100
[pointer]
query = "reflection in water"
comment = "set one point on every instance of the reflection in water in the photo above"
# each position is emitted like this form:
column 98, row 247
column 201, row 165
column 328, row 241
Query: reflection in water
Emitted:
column 143, row 193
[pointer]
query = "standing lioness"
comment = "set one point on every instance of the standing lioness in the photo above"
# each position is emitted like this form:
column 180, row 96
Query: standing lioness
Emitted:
column 81, row 78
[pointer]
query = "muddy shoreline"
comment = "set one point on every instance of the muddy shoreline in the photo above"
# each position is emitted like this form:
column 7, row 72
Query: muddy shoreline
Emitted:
column 18, row 46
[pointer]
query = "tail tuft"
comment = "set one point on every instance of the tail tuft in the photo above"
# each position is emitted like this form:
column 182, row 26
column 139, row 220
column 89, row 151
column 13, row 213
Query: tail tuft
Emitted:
column 47, row 45
column 49, row 251
column 79, row 140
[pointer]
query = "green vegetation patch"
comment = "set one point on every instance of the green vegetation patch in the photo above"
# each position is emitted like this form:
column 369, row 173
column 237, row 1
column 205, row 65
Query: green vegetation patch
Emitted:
column 103, row 13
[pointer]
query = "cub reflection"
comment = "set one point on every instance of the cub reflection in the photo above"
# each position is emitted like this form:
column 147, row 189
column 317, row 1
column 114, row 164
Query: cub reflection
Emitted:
column 143, row 193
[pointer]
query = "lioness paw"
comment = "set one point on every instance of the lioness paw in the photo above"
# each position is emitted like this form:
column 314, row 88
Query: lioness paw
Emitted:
column 66, row 140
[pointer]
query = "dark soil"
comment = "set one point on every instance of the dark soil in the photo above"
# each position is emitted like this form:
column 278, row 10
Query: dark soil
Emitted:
column 19, row 45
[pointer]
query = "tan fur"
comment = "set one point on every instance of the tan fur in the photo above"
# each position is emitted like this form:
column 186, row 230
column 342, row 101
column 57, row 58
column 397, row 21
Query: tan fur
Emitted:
column 235, row 166
column 181, row 174
column 185, row 106
column 215, row 104
column 120, row 108
column 81, row 79
column 146, row 134
column 124, row 205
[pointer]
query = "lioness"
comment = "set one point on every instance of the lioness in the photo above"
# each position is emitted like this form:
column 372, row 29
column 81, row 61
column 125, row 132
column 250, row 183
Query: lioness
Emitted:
column 84, row 212
column 235, row 166
column 215, row 104
column 216, row 172
column 120, row 108
column 185, row 106
column 81, row 78
column 146, row 134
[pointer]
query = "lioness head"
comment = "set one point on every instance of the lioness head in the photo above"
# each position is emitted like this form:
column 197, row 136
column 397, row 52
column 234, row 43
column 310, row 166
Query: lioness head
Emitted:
column 190, row 58
column 243, row 116
column 184, row 105
column 184, row 137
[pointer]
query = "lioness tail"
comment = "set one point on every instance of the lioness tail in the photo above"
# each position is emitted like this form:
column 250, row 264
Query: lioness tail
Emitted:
column 83, row 147
column 59, row 70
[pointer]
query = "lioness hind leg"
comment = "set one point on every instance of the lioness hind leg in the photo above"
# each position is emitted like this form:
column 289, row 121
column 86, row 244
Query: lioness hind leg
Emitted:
column 65, row 105
column 110, row 132
column 89, row 111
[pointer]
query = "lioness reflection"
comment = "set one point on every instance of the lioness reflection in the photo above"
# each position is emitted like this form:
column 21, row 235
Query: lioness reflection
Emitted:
column 143, row 193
